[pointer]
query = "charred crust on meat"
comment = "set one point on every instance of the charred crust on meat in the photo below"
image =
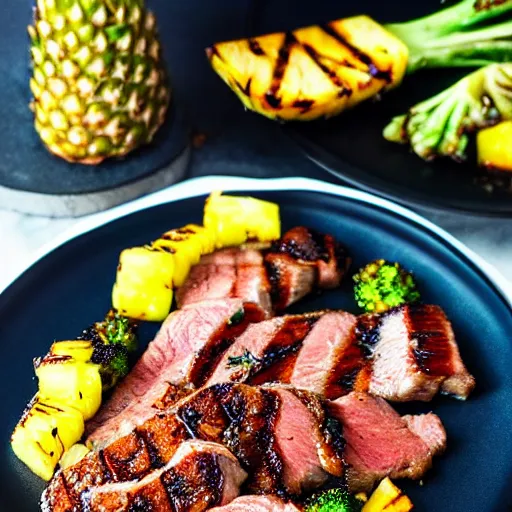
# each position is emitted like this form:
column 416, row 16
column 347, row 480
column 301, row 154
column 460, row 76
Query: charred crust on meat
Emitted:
column 152, row 450
column 302, row 244
column 274, row 279
column 368, row 332
column 197, row 477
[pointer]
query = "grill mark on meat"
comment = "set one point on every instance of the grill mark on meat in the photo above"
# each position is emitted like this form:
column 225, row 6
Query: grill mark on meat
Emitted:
column 128, row 460
column 345, row 374
column 281, row 371
column 368, row 332
column 154, row 455
column 433, row 353
column 181, row 483
column 250, row 437
column 210, row 354
column 287, row 341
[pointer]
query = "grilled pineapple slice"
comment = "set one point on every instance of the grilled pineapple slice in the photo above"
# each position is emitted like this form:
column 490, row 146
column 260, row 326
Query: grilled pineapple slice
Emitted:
column 236, row 219
column 312, row 72
column 75, row 383
column 143, row 288
column 45, row 431
column 388, row 498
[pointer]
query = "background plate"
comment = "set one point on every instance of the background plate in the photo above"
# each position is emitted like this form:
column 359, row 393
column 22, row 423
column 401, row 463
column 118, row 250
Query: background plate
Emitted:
column 351, row 145
column 70, row 287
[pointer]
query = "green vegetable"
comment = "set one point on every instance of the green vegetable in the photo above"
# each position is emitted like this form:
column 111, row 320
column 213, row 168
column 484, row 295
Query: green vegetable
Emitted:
column 246, row 362
column 441, row 126
column 333, row 500
column 382, row 285
column 453, row 37
column 113, row 340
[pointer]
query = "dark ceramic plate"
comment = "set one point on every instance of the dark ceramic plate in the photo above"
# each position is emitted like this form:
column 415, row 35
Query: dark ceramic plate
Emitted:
column 351, row 145
column 70, row 287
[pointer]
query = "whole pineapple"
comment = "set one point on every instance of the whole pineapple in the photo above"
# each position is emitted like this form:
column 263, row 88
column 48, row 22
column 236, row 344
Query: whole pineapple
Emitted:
column 99, row 81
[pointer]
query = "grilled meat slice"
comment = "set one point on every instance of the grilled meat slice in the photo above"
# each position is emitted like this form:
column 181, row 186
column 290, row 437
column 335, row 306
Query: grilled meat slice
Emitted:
column 261, row 346
column 199, row 476
column 330, row 359
column 414, row 354
column 257, row 504
column 274, row 277
column 186, row 347
column 309, row 443
column 380, row 443
column 149, row 446
column 283, row 439
column 315, row 249
column 245, row 278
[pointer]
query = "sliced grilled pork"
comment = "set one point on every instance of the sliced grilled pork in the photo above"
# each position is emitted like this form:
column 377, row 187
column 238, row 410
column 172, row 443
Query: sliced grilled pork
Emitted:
column 199, row 476
column 380, row 443
column 414, row 354
column 261, row 346
column 187, row 346
column 330, row 358
column 320, row 251
column 274, row 277
column 310, row 450
column 257, row 504
column 246, row 281
column 282, row 440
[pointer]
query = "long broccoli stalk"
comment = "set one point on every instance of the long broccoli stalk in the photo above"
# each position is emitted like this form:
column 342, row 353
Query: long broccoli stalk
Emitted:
column 441, row 125
column 452, row 37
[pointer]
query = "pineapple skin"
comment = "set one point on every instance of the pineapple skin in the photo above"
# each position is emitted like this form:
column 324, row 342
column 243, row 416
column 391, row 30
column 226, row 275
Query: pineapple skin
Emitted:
column 313, row 72
column 100, row 87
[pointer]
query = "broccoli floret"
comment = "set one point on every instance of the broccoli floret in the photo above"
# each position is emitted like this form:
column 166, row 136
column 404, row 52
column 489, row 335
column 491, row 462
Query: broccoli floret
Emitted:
column 113, row 361
column 113, row 339
column 333, row 500
column 118, row 330
column 382, row 285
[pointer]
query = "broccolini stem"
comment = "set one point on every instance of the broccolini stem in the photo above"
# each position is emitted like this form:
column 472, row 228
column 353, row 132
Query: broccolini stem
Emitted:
column 447, row 38
column 477, row 54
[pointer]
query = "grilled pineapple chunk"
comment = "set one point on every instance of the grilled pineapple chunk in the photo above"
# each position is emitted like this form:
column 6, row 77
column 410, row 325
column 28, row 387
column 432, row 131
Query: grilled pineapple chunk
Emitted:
column 143, row 288
column 388, row 498
column 236, row 219
column 45, row 431
column 494, row 146
column 78, row 350
column 75, row 383
column 186, row 249
column 314, row 71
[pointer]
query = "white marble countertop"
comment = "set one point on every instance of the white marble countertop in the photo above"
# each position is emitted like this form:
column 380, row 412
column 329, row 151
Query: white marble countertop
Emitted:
column 22, row 235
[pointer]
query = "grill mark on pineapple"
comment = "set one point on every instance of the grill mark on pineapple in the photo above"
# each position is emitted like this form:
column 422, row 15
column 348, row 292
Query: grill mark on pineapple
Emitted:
column 335, row 79
column 245, row 90
column 373, row 70
column 255, row 47
column 279, row 70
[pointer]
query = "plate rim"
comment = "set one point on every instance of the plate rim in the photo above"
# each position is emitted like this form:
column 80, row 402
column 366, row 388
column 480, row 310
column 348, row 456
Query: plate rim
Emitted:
column 204, row 185
column 316, row 154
